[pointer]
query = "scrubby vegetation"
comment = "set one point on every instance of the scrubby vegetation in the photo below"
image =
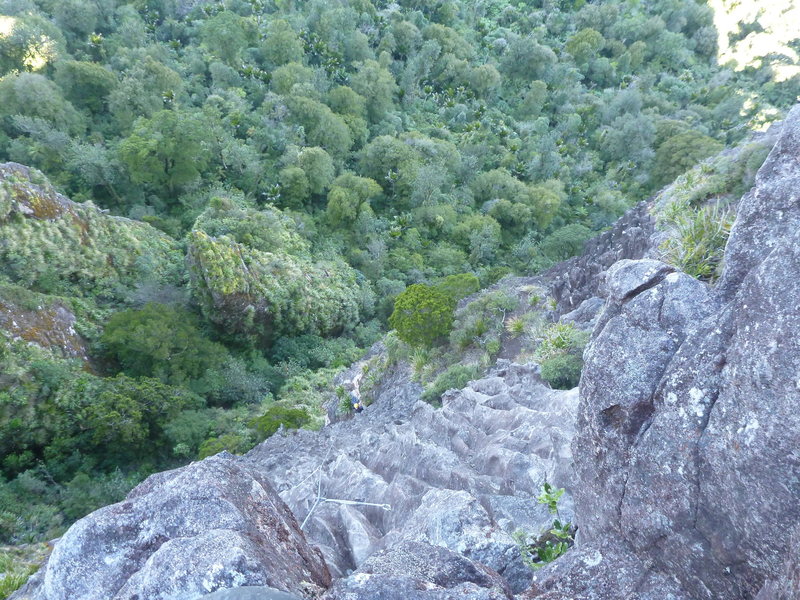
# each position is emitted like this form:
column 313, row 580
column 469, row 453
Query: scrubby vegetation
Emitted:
column 696, row 212
column 263, row 188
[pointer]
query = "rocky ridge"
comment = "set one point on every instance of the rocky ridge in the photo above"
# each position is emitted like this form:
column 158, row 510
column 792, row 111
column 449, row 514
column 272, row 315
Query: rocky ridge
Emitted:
column 684, row 476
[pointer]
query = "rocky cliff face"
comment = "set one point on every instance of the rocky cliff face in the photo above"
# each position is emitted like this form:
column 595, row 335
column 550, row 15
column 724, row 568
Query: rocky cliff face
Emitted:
column 688, row 474
column 183, row 534
column 681, row 456
column 447, row 486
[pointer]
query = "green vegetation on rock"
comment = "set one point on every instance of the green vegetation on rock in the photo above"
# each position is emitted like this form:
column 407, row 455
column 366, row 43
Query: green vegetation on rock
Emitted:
column 260, row 190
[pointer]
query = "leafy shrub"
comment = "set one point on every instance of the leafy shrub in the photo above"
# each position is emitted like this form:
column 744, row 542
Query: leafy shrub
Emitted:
column 238, row 380
column 314, row 352
column 680, row 153
column 560, row 354
column 563, row 371
column 459, row 286
column 422, row 314
column 481, row 319
column 561, row 244
column 277, row 415
column 455, row 377
column 86, row 493
column 235, row 444
column 160, row 341
column 536, row 553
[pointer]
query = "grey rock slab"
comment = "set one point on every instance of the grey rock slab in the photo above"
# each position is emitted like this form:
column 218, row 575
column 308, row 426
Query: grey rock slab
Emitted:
column 603, row 571
column 686, row 450
column 470, row 467
column 212, row 524
column 414, row 570
column 250, row 593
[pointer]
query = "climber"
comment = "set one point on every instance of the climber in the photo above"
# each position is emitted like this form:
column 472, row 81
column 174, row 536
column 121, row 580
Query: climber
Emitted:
column 355, row 395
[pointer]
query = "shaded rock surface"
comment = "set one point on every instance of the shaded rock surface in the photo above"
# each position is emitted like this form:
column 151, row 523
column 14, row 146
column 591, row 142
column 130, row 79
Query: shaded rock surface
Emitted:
column 413, row 570
column 463, row 477
column 250, row 592
column 180, row 535
column 576, row 280
column 686, row 452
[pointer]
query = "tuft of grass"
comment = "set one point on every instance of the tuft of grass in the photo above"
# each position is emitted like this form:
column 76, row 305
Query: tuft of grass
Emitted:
column 560, row 338
column 17, row 564
column 515, row 326
column 419, row 359
column 697, row 238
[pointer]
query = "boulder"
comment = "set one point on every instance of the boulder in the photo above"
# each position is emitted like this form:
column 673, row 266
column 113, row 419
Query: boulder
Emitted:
column 420, row 571
column 182, row 534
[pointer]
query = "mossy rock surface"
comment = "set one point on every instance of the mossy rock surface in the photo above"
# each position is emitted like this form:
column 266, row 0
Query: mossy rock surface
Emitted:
column 271, row 293
column 46, row 321
column 55, row 245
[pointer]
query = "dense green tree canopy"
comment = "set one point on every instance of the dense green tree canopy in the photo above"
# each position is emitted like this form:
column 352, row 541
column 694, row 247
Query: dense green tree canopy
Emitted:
column 275, row 184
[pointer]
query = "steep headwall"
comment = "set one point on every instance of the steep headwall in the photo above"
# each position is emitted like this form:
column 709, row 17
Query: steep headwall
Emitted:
column 688, row 472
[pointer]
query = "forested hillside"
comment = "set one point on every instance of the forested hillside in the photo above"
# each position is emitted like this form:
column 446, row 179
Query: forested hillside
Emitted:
column 253, row 183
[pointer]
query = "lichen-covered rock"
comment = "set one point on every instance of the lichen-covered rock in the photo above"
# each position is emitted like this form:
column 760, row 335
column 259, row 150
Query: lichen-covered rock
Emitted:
column 180, row 534
column 786, row 584
column 77, row 247
column 419, row 571
column 686, row 451
column 602, row 571
column 38, row 319
column 249, row 592
column 267, row 294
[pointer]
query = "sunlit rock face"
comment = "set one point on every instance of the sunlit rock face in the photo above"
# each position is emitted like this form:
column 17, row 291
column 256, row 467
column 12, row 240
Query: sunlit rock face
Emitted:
column 686, row 450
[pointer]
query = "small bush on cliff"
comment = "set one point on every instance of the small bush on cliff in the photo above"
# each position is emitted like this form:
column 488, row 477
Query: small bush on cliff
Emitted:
column 422, row 314
column 454, row 378
column 560, row 355
column 697, row 239
column 562, row 372
column 538, row 552
column 277, row 415
column 459, row 286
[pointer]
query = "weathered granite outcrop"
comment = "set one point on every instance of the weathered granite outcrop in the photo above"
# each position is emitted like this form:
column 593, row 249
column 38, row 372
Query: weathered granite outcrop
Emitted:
column 688, row 473
column 419, row 571
column 463, row 477
column 183, row 534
